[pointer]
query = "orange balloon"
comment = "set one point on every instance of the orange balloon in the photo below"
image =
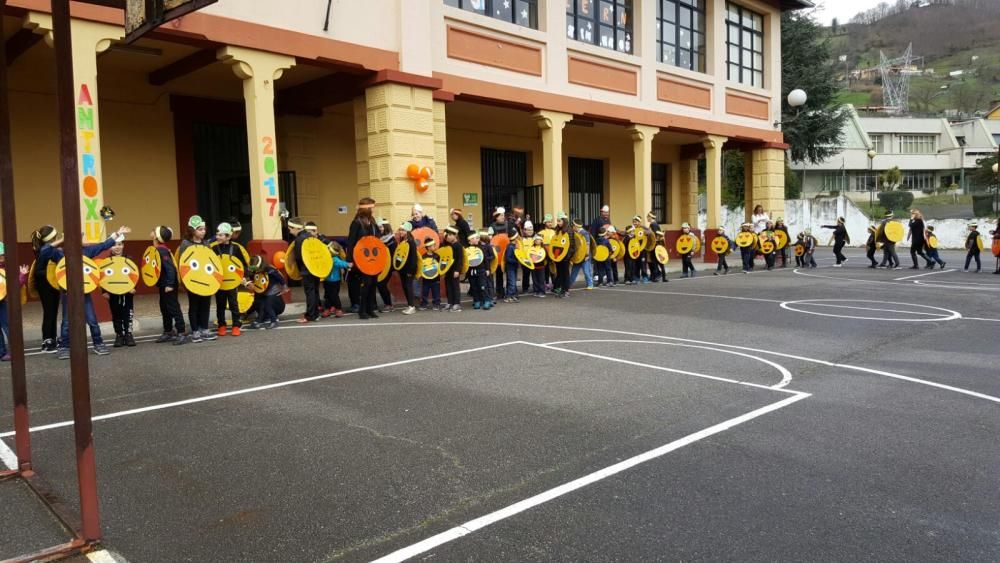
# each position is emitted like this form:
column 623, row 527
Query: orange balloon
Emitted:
column 413, row 171
column 278, row 260
column 371, row 255
column 423, row 232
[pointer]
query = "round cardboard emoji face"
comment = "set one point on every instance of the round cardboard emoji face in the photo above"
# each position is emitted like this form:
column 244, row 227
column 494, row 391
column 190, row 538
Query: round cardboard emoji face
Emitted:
column 979, row 243
column 429, row 268
column 261, row 282
column 617, row 249
column 547, row 235
column 50, row 275
column 118, row 275
column 780, row 239
column 371, row 255
column 767, row 246
column 474, row 256
column 720, row 245
column 291, row 266
column 537, row 254
column 337, row 250
column 232, row 272
column 640, row 236
column 932, row 242
column 401, row 255
column 662, row 256
column 685, row 244
column 446, row 258
column 151, row 267
column 91, row 274
column 800, row 249
column 559, row 247
column 278, row 260
column 602, row 253
column 317, row 257
column 635, row 247
column 200, row 270
column 524, row 258
column 244, row 300
column 497, row 259
column 386, row 271
column 581, row 249
column 894, row 231
column 3, row 284
column 745, row 239
column 421, row 234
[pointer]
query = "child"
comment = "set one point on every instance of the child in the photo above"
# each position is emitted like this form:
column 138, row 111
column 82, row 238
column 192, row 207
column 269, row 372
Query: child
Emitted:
column 613, row 262
column 972, row 245
column 527, row 238
column 767, row 235
column 431, row 286
column 122, row 311
column 604, row 268
column 639, row 274
column 451, row 279
column 747, row 252
column 841, row 238
column 511, row 266
column 269, row 304
column 310, row 283
column 538, row 274
column 170, row 308
column 489, row 254
column 477, row 277
column 688, row 265
column 383, row 286
column 331, row 285
column 932, row 253
column 870, row 246
column 779, row 225
column 800, row 241
column 588, row 273
column 90, row 251
column 4, row 327
column 808, row 259
column 657, row 271
column 889, row 257
column 198, row 306
column 628, row 260
column 46, row 242
column 723, row 265
column 564, row 227
column 409, row 269
column 226, row 298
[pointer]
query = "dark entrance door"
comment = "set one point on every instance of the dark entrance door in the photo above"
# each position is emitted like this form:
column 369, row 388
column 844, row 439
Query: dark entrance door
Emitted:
column 505, row 183
column 586, row 188
column 222, row 175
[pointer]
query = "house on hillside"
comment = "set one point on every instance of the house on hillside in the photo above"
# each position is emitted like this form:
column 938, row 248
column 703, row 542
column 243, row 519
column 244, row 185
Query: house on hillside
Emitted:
column 931, row 153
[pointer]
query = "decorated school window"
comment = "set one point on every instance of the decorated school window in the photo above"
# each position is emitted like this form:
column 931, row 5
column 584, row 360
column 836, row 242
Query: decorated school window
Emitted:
column 680, row 33
column 520, row 12
column 744, row 46
column 607, row 23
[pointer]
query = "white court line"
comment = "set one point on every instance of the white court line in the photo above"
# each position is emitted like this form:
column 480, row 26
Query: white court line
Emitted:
column 7, row 456
column 566, row 488
column 265, row 387
column 102, row 556
column 927, row 274
column 786, row 376
column 979, row 319
column 688, row 294
column 811, row 304
column 914, row 283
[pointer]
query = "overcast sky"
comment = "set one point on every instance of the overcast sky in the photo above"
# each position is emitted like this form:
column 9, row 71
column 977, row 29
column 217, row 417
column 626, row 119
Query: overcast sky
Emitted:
column 843, row 10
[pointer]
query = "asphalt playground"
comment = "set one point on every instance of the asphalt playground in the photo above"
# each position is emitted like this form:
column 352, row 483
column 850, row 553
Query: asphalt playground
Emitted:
column 830, row 414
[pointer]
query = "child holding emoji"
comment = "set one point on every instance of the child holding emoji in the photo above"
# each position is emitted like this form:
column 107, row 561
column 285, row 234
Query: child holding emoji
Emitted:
column 122, row 310
column 167, row 284
column 198, row 305
column 451, row 278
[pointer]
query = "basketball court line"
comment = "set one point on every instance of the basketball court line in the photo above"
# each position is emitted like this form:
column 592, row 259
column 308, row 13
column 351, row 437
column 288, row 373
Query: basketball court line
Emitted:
column 926, row 274
column 914, row 283
column 688, row 294
column 7, row 456
column 579, row 483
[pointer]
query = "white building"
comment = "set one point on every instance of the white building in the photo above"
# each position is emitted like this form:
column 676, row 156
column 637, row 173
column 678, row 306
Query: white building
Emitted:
column 930, row 152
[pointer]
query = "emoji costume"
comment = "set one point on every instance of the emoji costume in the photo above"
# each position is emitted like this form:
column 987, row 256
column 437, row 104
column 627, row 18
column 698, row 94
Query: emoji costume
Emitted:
column 118, row 274
column 367, row 282
column 90, row 251
column 841, row 238
column 198, row 305
column 42, row 242
column 168, row 285
column 310, row 283
column 233, row 269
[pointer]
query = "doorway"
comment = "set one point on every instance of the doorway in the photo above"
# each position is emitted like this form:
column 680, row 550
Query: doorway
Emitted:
column 504, row 183
column 586, row 188
column 222, row 175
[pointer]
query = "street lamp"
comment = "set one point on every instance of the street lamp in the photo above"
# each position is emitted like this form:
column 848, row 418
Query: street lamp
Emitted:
column 871, row 192
column 796, row 99
column 996, row 191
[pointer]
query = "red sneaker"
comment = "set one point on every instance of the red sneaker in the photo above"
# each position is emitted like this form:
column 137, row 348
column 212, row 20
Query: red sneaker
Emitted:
column 222, row 330
column 326, row 312
column 338, row 313
column 236, row 331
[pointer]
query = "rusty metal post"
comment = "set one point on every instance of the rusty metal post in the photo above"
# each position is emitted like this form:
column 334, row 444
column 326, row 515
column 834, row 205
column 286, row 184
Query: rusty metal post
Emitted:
column 86, row 467
column 15, row 342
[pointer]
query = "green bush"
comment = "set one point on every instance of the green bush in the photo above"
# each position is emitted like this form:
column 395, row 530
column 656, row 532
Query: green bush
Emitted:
column 898, row 202
column 982, row 205
column 928, row 191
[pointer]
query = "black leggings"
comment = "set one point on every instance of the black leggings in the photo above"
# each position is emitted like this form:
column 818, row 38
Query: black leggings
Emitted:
column 917, row 249
column 562, row 275
column 170, row 310
column 839, row 246
column 331, row 297
column 227, row 299
column 50, row 307
column 454, row 290
column 366, row 293
column 121, row 313
column 406, row 280
column 383, row 291
column 198, row 309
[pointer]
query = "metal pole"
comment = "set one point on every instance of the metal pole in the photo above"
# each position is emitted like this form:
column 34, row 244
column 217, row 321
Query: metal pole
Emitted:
column 15, row 331
column 871, row 191
column 86, row 467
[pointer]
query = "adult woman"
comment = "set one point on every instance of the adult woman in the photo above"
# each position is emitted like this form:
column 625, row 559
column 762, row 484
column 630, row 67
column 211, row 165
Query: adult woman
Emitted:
column 564, row 226
column 45, row 242
column 759, row 219
column 420, row 220
column 917, row 241
column 840, row 238
column 364, row 225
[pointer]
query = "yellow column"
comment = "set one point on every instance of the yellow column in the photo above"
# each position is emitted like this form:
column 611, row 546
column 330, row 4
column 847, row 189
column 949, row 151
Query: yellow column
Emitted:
column 258, row 70
column 400, row 127
column 713, row 180
column 441, row 160
column 551, row 124
column 89, row 39
column 642, row 152
column 688, row 203
column 769, row 181
column 747, row 185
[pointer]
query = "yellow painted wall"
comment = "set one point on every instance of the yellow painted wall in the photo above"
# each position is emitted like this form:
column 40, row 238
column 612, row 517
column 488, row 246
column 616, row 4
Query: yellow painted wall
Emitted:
column 34, row 127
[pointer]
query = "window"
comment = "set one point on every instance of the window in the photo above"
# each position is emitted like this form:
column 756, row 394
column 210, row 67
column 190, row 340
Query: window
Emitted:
column 834, row 181
column 745, row 46
column 961, row 140
column 520, row 12
column 916, row 144
column 661, row 187
column 865, row 181
column 607, row 23
column 918, row 180
column 878, row 143
column 680, row 33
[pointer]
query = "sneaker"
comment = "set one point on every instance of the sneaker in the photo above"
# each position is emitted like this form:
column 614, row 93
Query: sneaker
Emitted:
column 476, row 304
column 424, row 307
column 255, row 326
column 119, row 340
column 62, row 354
column 271, row 325
column 590, row 287
column 208, row 335
column 488, row 305
column 166, row 337
column 129, row 340
column 355, row 308
column 386, row 309
column 101, row 349
column 409, row 310
column 326, row 312
column 515, row 299
column 49, row 346
column 835, row 266
column 236, row 331
column 303, row 320
column 943, row 264
column 455, row 309
column 195, row 336
column 337, row 313
column 373, row 315
column 222, row 330
column 182, row 339
column 540, row 295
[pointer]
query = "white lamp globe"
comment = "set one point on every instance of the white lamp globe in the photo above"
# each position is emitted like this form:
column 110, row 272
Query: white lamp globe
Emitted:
column 797, row 98
column 996, row 168
column 872, row 153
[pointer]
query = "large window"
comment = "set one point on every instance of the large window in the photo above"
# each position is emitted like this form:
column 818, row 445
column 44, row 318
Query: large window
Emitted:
column 918, row 181
column 607, row 23
column 865, row 181
column 878, row 143
column 680, row 33
column 521, row 12
column 916, row 144
column 834, row 181
column 661, row 187
column 745, row 45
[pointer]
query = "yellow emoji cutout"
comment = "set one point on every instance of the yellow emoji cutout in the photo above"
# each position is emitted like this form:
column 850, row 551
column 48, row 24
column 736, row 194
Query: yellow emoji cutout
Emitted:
column 118, row 275
column 524, row 258
column 536, row 254
column 894, row 231
column 291, row 266
column 317, row 257
column 50, row 275
column 429, row 268
column 581, row 249
column 244, row 300
column 260, row 282
column 558, row 247
column 602, row 254
column 617, row 249
column 232, row 272
column 745, row 239
column 800, row 249
column 780, row 239
column 474, row 256
column 400, row 256
column 686, row 244
column 201, row 270
column 385, row 271
column 662, row 255
column 446, row 258
column 151, row 266
column 3, row 284
column 720, row 245
column 635, row 247
column 497, row 258
column 91, row 275
column 766, row 246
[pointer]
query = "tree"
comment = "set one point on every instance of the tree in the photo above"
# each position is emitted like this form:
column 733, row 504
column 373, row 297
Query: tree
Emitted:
column 815, row 131
column 984, row 178
column 835, row 26
column 967, row 97
column 793, row 183
column 891, row 179
column 734, row 179
column 922, row 95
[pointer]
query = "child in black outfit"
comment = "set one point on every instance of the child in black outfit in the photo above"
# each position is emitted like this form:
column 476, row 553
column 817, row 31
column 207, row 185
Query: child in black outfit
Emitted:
column 723, row 266
column 122, row 311
column 870, row 247
column 972, row 245
column 451, row 278
column 747, row 252
column 688, row 265
column 477, row 276
column 431, row 286
column 168, row 283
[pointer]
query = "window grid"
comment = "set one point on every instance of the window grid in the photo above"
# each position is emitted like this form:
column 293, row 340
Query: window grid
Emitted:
column 607, row 23
column 520, row 12
column 918, row 180
column 680, row 33
column 834, row 181
column 916, row 144
column 865, row 181
column 661, row 189
column 878, row 143
column 744, row 46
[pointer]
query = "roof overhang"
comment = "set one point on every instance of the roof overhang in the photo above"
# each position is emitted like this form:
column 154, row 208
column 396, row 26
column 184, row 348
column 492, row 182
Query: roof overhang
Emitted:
column 788, row 5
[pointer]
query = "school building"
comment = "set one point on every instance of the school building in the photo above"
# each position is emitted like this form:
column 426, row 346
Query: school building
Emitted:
column 253, row 107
